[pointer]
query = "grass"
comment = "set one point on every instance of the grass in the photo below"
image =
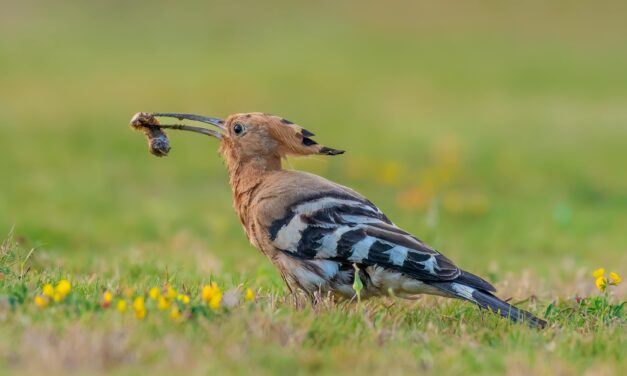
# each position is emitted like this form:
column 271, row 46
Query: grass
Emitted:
column 496, row 134
column 432, row 335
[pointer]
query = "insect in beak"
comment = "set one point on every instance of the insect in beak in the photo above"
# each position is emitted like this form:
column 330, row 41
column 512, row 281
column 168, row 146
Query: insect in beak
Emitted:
column 158, row 142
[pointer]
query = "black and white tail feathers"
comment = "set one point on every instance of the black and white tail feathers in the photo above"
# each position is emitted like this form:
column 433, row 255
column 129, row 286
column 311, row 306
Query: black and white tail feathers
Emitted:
column 483, row 297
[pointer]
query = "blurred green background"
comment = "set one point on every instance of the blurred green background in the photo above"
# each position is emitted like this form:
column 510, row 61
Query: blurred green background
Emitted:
column 496, row 131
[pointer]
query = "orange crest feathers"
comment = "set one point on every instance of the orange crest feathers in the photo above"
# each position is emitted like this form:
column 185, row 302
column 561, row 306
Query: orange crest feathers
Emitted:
column 296, row 140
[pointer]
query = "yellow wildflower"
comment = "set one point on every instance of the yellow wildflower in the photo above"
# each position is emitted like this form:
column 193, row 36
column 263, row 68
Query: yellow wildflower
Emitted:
column 171, row 293
column 129, row 292
column 250, row 295
column 175, row 314
column 601, row 283
column 139, row 303
column 48, row 290
column 183, row 298
column 615, row 279
column 63, row 288
column 214, row 302
column 163, row 303
column 209, row 292
column 600, row 272
column 206, row 293
column 140, row 314
column 139, row 307
column 154, row 293
column 121, row 306
column 106, row 299
column 58, row 297
column 107, row 296
column 41, row 301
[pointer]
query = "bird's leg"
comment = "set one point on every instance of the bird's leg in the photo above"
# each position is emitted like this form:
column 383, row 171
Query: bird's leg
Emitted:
column 292, row 292
column 321, row 300
column 315, row 299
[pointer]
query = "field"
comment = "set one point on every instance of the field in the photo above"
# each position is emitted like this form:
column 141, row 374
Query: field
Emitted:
column 496, row 132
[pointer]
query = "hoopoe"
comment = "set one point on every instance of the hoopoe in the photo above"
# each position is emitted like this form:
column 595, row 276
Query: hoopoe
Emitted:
column 319, row 233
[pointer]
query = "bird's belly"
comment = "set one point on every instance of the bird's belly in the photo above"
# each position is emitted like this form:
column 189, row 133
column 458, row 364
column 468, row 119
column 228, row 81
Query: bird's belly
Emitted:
column 309, row 275
column 327, row 276
column 385, row 282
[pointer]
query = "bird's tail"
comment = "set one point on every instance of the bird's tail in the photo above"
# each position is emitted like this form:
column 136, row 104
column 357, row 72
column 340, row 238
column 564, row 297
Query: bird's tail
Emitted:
column 487, row 300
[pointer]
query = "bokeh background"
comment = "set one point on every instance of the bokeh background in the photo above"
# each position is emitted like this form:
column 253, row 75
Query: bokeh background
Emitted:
column 496, row 131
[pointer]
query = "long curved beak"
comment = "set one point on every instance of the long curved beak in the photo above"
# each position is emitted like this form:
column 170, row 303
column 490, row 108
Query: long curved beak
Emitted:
column 203, row 119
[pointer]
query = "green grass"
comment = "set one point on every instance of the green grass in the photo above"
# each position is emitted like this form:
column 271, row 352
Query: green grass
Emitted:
column 494, row 132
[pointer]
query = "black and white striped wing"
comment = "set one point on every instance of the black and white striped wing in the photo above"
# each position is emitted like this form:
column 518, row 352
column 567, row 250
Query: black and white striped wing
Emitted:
column 349, row 229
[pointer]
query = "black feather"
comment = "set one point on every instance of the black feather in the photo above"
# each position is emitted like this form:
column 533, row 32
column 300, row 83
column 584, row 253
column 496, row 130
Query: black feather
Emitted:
column 472, row 280
column 307, row 133
column 377, row 253
column 330, row 151
column 310, row 240
column 278, row 224
column 347, row 241
column 486, row 300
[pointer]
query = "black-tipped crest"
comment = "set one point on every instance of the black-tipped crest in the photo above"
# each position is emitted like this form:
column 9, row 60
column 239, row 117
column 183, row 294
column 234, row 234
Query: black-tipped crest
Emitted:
column 308, row 141
column 331, row 151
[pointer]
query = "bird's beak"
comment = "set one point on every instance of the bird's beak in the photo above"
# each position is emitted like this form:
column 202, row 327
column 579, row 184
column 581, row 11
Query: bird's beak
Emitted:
column 203, row 119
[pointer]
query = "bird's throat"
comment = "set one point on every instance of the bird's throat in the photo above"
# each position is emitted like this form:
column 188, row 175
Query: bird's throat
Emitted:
column 245, row 176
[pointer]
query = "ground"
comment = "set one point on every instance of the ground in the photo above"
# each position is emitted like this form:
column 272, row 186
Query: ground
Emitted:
column 494, row 133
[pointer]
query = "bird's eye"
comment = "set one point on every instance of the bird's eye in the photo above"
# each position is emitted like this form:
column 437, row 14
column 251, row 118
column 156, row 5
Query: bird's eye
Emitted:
column 238, row 128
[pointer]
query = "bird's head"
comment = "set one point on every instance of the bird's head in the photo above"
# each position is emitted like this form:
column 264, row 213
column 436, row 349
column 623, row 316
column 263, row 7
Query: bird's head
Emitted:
column 255, row 135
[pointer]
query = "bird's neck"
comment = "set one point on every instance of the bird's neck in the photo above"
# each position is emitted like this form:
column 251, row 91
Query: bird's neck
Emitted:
column 245, row 177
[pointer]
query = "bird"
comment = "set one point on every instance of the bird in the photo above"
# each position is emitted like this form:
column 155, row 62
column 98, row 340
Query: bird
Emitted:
column 321, row 235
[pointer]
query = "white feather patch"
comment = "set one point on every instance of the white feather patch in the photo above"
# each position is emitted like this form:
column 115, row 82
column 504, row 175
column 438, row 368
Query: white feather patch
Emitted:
column 328, row 244
column 463, row 290
column 329, row 268
column 361, row 248
column 288, row 236
column 398, row 254
column 430, row 264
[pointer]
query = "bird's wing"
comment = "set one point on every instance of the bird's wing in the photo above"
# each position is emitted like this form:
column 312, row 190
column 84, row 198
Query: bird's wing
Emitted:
column 341, row 225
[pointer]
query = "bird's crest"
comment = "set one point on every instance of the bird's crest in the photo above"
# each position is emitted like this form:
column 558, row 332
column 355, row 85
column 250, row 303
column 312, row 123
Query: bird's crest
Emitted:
column 298, row 140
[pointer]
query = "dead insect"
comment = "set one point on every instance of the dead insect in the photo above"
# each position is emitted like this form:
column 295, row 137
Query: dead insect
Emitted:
column 158, row 142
